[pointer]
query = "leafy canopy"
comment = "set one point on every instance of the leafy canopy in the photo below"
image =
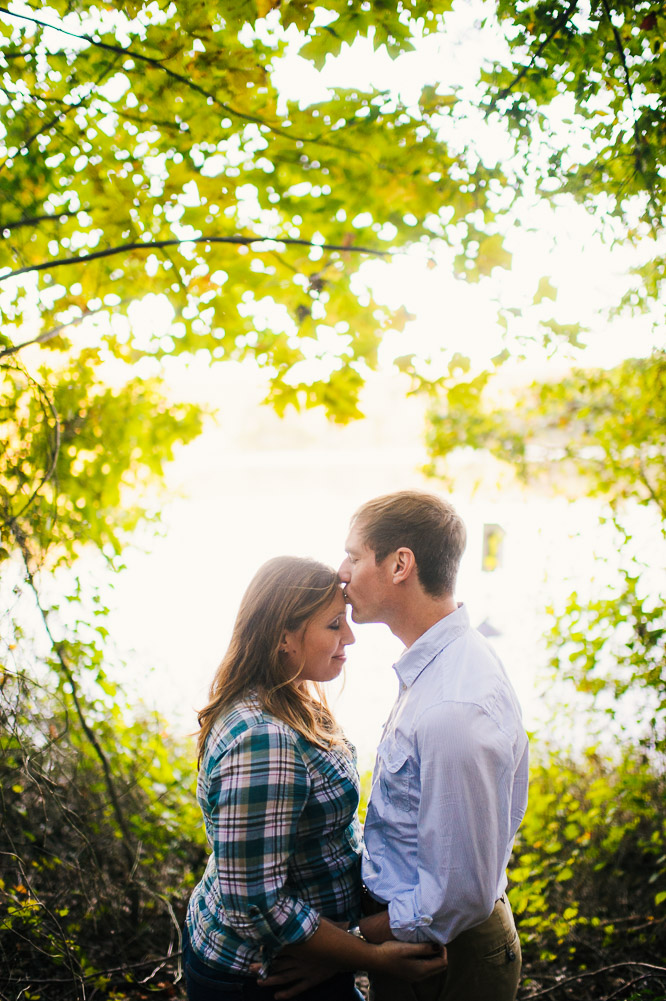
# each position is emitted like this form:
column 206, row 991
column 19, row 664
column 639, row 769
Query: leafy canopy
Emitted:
column 147, row 151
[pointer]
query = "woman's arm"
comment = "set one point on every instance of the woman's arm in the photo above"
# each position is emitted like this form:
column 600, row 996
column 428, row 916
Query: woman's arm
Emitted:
column 256, row 793
column 338, row 949
column 331, row 950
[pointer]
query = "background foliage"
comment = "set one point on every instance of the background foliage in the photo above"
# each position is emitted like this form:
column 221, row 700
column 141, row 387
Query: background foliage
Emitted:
column 162, row 199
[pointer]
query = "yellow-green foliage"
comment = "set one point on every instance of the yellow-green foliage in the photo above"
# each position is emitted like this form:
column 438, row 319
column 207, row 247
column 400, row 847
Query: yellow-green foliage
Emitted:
column 86, row 885
column 589, row 865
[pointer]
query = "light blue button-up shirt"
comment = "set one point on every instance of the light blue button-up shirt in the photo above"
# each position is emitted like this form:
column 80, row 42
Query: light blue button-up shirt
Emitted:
column 449, row 789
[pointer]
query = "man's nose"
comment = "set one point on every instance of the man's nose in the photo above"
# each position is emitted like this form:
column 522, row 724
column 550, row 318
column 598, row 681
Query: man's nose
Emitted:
column 343, row 571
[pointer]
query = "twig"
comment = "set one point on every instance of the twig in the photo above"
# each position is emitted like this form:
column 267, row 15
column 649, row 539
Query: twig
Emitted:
column 33, row 220
column 632, row 983
column 54, row 331
column 590, row 975
column 242, row 241
column 101, row 973
column 41, row 339
column 69, row 956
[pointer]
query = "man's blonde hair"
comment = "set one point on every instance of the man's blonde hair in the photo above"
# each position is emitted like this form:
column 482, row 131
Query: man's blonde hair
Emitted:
column 422, row 522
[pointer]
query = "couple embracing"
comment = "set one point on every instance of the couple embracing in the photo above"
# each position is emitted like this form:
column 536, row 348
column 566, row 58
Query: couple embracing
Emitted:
column 293, row 901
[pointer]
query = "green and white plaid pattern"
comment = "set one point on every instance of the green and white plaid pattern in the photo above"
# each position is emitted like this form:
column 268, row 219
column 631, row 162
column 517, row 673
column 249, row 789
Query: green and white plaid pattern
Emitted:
column 280, row 817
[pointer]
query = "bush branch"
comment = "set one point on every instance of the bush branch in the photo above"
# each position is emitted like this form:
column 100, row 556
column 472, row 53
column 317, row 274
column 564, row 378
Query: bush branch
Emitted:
column 58, row 649
column 591, row 975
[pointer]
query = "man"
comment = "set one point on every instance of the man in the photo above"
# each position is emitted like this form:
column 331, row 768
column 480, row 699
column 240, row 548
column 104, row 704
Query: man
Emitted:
column 450, row 783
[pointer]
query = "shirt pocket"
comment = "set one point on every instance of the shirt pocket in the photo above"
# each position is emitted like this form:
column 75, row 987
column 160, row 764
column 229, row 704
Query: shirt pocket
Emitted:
column 395, row 778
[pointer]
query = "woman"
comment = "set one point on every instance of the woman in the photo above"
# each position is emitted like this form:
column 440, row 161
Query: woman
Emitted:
column 278, row 788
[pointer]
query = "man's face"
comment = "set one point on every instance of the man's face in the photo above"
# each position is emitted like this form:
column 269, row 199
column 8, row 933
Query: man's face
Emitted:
column 367, row 585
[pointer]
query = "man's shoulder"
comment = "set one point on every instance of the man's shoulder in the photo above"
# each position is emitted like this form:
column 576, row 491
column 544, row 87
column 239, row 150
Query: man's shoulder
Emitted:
column 464, row 667
column 465, row 678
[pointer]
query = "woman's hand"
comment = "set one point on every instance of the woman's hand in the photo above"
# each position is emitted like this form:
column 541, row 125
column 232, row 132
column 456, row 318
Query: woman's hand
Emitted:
column 294, row 974
column 409, row 960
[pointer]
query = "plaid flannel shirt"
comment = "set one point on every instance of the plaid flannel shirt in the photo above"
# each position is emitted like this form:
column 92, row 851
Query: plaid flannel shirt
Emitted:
column 280, row 817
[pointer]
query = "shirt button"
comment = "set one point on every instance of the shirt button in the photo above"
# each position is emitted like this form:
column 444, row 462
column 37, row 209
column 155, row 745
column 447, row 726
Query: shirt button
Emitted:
column 426, row 919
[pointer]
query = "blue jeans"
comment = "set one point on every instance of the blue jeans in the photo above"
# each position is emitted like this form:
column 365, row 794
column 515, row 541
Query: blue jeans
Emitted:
column 210, row 983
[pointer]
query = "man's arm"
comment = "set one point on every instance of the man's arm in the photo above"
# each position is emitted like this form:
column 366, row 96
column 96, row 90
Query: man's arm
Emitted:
column 466, row 774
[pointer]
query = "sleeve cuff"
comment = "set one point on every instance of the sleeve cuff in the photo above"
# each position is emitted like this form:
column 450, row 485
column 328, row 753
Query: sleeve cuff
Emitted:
column 407, row 926
column 287, row 922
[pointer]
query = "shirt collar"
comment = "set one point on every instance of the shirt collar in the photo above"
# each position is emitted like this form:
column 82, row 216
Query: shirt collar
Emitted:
column 417, row 657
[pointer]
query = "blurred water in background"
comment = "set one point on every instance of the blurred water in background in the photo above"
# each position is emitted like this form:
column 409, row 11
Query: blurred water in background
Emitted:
column 254, row 486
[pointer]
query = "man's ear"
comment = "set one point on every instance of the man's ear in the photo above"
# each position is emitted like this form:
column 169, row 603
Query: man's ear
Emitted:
column 403, row 565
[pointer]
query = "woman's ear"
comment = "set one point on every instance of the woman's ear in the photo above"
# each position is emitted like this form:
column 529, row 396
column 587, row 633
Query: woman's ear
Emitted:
column 290, row 641
column 291, row 648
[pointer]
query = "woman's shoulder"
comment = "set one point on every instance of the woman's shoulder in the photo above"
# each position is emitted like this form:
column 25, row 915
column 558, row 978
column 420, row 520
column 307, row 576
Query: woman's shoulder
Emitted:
column 246, row 718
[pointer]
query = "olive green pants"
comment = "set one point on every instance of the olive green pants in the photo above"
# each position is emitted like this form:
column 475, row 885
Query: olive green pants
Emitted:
column 484, row 965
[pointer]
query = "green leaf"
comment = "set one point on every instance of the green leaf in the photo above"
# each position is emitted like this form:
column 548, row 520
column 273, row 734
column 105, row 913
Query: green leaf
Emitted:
column 545, row 290
column 492, row 254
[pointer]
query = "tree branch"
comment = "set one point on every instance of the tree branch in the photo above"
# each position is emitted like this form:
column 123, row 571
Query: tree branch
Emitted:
column 561, row 21
column 640, row 162
column 34, row 220
column 620, row 50
column 661, row 504
column 48, row 335
column 243, row 241
column 187, row 81
column 46, row 404
column 60, row 115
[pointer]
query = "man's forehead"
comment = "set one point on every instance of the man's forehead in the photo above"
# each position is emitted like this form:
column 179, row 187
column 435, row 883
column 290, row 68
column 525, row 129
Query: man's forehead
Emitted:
column 355, row 541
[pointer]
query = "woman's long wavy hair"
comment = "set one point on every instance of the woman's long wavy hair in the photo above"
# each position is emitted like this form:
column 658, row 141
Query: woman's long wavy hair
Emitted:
column 283, row 595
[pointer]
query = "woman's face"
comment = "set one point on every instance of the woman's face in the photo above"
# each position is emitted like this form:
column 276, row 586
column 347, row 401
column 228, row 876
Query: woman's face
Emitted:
column 319, row 645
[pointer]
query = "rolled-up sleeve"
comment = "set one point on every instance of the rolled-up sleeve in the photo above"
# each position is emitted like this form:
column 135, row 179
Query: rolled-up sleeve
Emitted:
column 256, row 794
